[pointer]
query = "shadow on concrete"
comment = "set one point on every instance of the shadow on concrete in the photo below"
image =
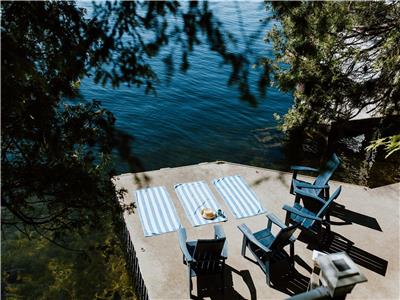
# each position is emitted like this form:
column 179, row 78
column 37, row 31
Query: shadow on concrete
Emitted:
column 261, row 180
column 350, row 217
column 335, row 242
column 285, row 280
column 210, row 286
column 290, row 282
column 142, row 180
column 280, row 177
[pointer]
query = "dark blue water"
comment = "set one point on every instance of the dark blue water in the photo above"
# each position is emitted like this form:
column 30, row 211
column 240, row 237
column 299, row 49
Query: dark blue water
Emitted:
column 197, row 117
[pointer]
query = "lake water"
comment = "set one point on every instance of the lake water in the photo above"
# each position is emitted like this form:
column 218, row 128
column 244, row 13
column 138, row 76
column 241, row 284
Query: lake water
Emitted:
column 196, row 117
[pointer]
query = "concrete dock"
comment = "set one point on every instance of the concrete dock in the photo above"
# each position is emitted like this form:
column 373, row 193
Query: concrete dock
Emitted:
column 366, row 227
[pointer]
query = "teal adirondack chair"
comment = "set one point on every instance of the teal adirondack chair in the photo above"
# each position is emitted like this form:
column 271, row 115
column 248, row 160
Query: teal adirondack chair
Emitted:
column 204, row 256
column 268, row 248
column 320, row 185
column 314, row 216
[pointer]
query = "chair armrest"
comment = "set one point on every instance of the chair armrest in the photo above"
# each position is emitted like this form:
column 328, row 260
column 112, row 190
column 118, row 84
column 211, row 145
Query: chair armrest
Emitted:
column 250, row 237
column 310, row 186
column 303, row 168
column 300, row 213
column 219, row 234
column 308, row 195
column 296, row 169
column 182, row 244
column 274, row 219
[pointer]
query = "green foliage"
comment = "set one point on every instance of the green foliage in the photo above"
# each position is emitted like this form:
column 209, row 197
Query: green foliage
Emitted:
column 339, row 58
column 37, row 269
column 391, row 144
column 55, row 158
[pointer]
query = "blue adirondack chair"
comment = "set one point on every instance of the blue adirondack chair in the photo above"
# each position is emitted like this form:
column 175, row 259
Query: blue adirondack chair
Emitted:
column 313, row 215
column 320, row 185
column 204, row 256
column 268, row 248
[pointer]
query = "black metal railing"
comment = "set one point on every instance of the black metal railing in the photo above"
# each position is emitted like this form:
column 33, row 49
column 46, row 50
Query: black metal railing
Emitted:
column 132, row 263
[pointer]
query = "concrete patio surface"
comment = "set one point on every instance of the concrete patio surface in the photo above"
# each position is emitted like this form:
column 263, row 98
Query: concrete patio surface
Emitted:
column 370, row 235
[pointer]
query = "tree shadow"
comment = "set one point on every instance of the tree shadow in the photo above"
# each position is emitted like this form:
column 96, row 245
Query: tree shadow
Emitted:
column 209, row 286
column 350, row 217
column 260, row 180
column 280, row 177
column 334, row 242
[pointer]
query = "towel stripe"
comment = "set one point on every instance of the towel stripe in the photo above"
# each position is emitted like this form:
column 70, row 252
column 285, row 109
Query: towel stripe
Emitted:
column 195, row 196
column 156, row 211
column 240, row 198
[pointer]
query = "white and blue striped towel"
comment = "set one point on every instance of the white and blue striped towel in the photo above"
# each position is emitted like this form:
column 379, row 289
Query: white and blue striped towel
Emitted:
column 157, row 213
column 240, row 198
column 195, row 196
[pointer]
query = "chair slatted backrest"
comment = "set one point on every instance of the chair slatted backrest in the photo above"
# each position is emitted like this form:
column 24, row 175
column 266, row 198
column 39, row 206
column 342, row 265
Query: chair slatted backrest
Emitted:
column 322, row 212
column 207, row 253
column 283, row 237
column 327, row 171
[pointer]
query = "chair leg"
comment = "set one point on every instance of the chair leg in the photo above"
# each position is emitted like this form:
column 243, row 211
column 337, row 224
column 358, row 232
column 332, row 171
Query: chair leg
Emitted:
column 244, row 245
column 190, row 284
column 294, row 176
column 328, row 218
column 267, row 273
column 328, row 231
column 297, row 198
column 327, row 194
column 291, row 258
column 322, row 236
column 291, row 188
column 223, row 277
column 287, row 219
